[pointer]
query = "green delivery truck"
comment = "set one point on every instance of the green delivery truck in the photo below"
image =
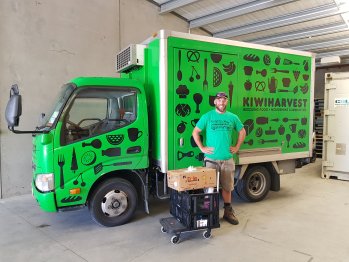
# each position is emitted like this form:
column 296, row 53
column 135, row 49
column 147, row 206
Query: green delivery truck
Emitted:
column 109, row 141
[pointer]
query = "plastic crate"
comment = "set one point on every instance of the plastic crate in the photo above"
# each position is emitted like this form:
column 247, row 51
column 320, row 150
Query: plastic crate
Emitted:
column 195, row 209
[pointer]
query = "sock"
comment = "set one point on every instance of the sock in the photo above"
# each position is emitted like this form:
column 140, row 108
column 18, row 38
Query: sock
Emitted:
column 227, row 205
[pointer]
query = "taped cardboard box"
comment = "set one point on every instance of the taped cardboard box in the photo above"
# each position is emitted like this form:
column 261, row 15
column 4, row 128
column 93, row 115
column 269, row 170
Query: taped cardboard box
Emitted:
column 189, row 179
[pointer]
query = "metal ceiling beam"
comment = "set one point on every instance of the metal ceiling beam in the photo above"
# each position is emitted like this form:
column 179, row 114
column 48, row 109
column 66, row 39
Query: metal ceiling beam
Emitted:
column 318, row 45
column 344, row 62
column 294, row 35
column 173, row 5
column 342, row 52
column 236, row 11
column 296, row 17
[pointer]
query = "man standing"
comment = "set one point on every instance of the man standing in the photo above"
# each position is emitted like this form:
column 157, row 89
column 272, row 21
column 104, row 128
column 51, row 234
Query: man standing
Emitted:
column 219, row 125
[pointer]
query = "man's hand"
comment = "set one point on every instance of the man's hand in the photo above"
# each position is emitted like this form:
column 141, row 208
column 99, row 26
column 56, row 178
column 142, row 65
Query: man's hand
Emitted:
column 196, row 136
column 207, row 150
column 234, row 149
column 241, row 138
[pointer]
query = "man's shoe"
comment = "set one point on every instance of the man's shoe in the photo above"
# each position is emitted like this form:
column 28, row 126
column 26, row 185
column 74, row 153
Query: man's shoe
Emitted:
column 229, row 216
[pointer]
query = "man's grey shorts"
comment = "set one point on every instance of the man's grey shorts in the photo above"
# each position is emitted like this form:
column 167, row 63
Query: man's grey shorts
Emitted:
column 226, row 177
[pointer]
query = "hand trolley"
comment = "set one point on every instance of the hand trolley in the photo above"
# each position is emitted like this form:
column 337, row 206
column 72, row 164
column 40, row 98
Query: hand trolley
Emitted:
column 192, row 210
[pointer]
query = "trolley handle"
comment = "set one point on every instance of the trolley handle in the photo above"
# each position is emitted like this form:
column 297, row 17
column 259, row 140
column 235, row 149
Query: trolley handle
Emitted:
column 218, row 170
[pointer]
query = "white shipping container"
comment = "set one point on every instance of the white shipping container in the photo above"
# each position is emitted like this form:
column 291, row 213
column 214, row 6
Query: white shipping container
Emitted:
column 335, row 155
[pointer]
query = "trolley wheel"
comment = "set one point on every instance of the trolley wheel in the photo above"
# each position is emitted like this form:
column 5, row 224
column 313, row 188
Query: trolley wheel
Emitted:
column 207, row 234
column 163, row 230
column 174, row 239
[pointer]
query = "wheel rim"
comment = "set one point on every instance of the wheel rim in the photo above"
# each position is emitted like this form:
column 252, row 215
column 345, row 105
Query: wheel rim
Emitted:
column 257, row 184
column 114, row 203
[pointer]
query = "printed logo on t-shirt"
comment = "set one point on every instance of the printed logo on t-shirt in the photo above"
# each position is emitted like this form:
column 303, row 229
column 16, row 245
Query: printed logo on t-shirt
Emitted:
column 221, row 125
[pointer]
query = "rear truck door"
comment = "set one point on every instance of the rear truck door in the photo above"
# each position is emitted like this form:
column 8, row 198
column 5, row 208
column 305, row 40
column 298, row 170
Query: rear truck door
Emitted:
column 101, row 129
column 198, row 75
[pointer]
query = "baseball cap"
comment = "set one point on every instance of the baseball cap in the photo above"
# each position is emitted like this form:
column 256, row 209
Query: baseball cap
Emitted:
column 221, row 95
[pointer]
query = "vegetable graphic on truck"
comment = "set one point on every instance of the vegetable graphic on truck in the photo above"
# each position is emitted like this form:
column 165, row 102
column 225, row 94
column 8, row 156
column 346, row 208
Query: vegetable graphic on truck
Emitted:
column 109, row 142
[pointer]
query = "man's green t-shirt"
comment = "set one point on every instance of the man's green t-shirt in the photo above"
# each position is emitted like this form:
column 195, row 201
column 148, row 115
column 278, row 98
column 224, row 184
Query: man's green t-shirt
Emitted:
column 219, row 129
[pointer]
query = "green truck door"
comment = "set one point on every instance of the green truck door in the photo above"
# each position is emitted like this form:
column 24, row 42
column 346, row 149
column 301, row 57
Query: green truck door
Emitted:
column 100, row 131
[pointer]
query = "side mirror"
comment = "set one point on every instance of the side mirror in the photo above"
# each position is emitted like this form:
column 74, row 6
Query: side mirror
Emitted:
column 13, row 108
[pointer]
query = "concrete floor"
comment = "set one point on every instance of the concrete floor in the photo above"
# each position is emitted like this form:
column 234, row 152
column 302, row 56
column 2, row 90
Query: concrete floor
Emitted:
column 306, row 221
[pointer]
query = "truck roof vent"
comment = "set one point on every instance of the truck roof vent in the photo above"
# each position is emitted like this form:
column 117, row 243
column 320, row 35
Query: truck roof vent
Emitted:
column 130, row 58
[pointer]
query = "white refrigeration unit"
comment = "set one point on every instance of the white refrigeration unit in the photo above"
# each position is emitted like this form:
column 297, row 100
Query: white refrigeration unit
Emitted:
column 335, row 155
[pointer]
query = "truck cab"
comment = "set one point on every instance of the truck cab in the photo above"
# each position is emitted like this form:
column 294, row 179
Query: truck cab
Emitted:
column 85, row 151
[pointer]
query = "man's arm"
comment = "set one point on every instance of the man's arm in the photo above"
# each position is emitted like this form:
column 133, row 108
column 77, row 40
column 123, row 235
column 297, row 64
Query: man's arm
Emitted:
column 241, row 138
column 196, row 136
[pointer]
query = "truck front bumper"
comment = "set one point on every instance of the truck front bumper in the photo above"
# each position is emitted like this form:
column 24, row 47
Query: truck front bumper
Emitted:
column 46, row 200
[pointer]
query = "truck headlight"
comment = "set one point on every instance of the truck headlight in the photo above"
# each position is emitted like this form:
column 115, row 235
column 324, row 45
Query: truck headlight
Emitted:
column 44, row 182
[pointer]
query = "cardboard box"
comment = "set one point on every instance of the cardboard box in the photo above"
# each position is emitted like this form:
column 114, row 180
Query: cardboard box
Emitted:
column 186, row 179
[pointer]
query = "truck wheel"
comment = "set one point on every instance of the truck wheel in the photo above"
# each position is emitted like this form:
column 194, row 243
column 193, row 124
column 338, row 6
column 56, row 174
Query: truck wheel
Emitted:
column 255, row 184
column 299, row 163
column 313, row 158
column 113, row 203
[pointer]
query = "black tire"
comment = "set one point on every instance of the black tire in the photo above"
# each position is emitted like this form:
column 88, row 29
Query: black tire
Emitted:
column 299, row 163
column 313, row 158
column 175, row 239
column 113, row 203
column 206, row 234
column 163, row 230
column 255, row 184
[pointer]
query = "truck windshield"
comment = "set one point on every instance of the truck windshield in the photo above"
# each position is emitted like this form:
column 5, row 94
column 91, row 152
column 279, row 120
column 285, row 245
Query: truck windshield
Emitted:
column 50, row 119
column 95, row 110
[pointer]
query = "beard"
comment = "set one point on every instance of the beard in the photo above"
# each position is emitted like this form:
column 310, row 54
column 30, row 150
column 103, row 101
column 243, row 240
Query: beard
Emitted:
column 221, row 108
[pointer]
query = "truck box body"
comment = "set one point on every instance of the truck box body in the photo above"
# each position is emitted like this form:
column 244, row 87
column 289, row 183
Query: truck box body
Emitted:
column 335, row 134
column 270, row 89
